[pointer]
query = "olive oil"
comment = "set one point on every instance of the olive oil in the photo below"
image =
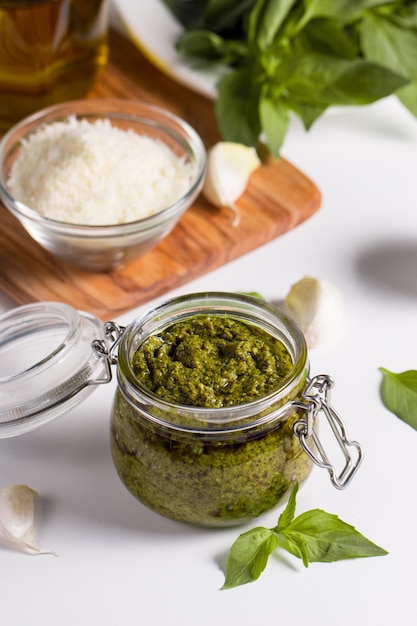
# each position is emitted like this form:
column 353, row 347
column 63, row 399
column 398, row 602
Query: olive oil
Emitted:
column 50, row 51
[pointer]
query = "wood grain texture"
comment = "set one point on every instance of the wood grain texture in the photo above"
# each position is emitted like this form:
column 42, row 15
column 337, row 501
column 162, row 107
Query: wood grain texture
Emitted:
column 278, row 198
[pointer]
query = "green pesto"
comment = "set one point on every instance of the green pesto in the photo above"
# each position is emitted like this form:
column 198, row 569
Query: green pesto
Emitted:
column 209, row 479
column 212, row 361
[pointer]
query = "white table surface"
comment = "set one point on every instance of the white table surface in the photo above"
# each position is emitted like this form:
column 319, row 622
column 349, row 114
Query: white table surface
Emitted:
column 119, row 563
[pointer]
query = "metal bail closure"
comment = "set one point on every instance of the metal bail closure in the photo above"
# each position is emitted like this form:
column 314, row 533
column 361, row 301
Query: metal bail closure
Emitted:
column 317, row 396
column 106, row 348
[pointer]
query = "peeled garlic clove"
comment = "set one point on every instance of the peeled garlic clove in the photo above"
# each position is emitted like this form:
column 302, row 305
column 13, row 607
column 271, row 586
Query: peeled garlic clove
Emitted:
column 17, row 517
column 318, row 309
column 229, row 166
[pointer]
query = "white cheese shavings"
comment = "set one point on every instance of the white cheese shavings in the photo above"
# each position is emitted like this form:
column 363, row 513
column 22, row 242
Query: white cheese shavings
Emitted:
column 88, row 173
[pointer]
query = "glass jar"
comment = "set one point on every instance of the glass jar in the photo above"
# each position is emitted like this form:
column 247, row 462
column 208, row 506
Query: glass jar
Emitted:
column 205, row 466
column 50, row 51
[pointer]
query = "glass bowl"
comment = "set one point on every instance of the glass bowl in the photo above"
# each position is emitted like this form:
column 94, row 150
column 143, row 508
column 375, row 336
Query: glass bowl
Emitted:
column 100, row 248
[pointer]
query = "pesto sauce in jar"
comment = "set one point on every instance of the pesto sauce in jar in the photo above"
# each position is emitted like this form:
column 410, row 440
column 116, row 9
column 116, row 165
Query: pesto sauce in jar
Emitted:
column 211, row 362
column 208, row 475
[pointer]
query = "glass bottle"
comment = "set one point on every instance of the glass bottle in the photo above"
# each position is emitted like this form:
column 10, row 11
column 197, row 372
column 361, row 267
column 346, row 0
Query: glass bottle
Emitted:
column 50, row 51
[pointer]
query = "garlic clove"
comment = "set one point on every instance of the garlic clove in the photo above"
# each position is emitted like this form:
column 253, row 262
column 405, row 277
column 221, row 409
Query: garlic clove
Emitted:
column 318, row 309
column 17, row 518
column 229, row 167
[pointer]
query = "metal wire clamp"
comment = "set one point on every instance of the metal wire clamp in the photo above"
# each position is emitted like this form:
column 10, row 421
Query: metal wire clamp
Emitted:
column 317, row 400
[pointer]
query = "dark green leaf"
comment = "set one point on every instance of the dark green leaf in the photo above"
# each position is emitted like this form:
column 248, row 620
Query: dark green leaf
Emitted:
column 326, row 538
column 274, row 120
column 408, row 96
column 248, row 556
column 209, row 47
column 288, row 513
column 237, row 107
column 226, row 15
column 322, row 80
column 309, row 113
column 362, row 83
column 219, row 16
column 266, row 19
column 395, row 47
column 399, row 394
column 187, row 12
column 326, row 36
column 346, row 11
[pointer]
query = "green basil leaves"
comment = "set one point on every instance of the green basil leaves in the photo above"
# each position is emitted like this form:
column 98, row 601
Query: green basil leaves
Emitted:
column 399, row 395
column 299, row 57
column 314, row 537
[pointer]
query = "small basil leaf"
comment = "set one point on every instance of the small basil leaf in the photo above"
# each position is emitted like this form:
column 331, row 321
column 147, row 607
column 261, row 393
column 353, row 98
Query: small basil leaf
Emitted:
column 209, row 47
column 408, row 96
column 288, row 513
column 225, row 15
column 265, row 20
column 274, row 119
column 309, row 113
column 386, row 42
column 322, row 80
column 237, row 107
column 325, row 36
column 344, row 10
column 399, row 395
column 326, row 538
column 248, row 556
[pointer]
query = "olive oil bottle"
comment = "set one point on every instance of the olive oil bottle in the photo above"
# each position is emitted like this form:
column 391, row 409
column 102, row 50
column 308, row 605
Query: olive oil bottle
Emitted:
column 50, row 51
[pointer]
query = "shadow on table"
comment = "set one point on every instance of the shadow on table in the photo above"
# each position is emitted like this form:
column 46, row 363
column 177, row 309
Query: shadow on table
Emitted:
column 390, row 265
column 73, row 471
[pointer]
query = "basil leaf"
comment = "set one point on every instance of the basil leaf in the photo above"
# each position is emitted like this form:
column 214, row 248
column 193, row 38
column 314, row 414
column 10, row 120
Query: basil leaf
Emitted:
column 238, row 91
column 325, row 538
column 391, row 45
column 249, row 556
column 288, row 513
column 325, row 36
column 309, row 113
column 399, row 395
column 344, row 10
column 187, row 12
column 303, row 56
column 274, row 120
column 324, row 80
column 265, row 20
column 363, row 83
column 314, row 536
column 210, row 48
column 215, row 15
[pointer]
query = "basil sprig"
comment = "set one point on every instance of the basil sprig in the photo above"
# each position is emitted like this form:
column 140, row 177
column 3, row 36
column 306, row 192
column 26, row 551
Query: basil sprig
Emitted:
column 399, row 394
column 300, row 57
column 314, row 537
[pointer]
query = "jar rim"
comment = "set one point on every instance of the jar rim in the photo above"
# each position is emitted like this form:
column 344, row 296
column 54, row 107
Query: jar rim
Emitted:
column 244, row 307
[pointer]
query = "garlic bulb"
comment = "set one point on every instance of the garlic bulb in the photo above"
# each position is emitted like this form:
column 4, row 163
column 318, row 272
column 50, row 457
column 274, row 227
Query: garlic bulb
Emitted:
column 318, row 309
column 17, row 518
column 229, row 166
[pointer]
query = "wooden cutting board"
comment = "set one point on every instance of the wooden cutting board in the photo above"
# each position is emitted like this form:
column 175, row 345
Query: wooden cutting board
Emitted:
column 278, row 198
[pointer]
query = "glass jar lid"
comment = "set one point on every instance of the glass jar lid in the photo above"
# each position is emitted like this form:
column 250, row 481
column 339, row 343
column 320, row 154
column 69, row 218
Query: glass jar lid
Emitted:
column 47, row 364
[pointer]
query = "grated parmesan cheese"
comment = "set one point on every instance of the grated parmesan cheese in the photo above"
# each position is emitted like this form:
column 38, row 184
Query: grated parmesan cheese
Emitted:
column 88, row 173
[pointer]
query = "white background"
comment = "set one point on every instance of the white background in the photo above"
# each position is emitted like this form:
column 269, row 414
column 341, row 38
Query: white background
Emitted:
column 119, row 563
